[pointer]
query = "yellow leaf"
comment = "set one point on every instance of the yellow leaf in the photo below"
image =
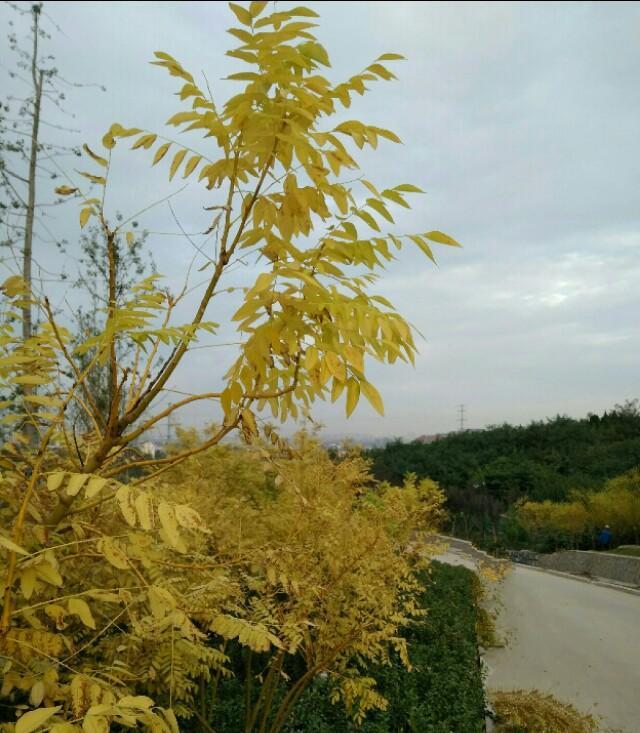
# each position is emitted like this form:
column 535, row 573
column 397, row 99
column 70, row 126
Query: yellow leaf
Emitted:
column 34, row 719
column 255, row 8
column 41, row 399
column 263, row 282
column 30, row 379
column 48, row 573
column 394, row 196
column 313, row 50
column 93, row 178
column 113, row 553
column 100, row 161
column 80, row 608
column 373, row 396
column 249, row 422
column 57, row 614
column 161, row 602
column 336, row 389
column 115, row 131
column 144, row 141
column 84, row 216
column 243, row 76
column 54, row 480
column 103, row 596
column 366, row 217
column 386, row 134
column 380, row 208
column 140, row 702
column 311, row 358
column 95, row 724
column 371, row 187
column 127, row 507
column 13, row 286
column 95, row 486
column 336, row 366
column 423, row 246
column 8, row 419
column 442, row 239
column 189, row 518
column 177, row 159
column 242, row 14
column 381, row 71
column 10, row 545
column 353, row 395
column 36, row 695
column 355, row 357
column 160, row 153
column 76, row 482
column 28, row 582
column 169, row 524
column 303, row 12
column 144, row 508
column 171, row 720
column 181, row 117
column 190, row 167
column 108, row 141
column 408, row 188
column 65, row 190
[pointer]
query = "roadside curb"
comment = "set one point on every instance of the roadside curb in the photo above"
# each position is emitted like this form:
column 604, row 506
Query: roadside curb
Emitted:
column 582, row 579
column 474, row 554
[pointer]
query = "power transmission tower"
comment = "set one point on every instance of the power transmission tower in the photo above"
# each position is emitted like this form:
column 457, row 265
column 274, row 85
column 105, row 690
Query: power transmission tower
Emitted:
column 170, row 426
column 461, row 416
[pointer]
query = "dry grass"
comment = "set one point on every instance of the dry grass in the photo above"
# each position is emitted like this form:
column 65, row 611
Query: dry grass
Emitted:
column 486, row 584
column 629, row 550
column 521, row 711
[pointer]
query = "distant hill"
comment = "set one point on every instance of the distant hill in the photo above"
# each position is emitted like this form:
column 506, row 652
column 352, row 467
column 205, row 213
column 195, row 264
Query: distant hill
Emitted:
column 484, row 472
column 365, row 441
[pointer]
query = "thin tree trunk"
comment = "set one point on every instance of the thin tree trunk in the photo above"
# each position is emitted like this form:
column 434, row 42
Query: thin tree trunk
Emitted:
column 27, row 254
column 37, row 76
column 113, row 359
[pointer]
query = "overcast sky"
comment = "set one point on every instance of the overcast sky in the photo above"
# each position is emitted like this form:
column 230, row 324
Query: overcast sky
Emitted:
column 520, row 120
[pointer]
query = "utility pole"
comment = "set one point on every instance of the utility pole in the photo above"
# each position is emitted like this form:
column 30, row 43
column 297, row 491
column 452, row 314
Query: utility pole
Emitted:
column 461, row 416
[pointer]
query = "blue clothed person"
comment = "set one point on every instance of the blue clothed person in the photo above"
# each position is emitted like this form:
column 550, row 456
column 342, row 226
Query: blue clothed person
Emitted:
column 605, row 537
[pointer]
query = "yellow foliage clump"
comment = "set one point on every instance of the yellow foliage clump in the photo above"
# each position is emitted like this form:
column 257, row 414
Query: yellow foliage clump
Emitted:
column 616, row 504
column 520, row 711
column 290, row 555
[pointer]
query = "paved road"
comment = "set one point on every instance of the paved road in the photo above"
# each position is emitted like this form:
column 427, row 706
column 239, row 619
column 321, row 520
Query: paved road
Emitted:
column 576, row 640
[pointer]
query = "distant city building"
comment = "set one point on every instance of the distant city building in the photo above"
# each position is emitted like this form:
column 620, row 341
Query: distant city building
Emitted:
column 431, row 438
column 439, row 436
column 149, row 449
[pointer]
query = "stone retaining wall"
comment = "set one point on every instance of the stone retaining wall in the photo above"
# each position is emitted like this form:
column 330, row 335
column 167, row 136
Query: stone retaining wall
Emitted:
column 619, row 568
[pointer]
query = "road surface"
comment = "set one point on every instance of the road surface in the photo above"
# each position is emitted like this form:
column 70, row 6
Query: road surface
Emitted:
column 576, row 640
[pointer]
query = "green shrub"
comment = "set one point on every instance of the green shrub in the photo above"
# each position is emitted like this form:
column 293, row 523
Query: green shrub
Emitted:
column 443, row 693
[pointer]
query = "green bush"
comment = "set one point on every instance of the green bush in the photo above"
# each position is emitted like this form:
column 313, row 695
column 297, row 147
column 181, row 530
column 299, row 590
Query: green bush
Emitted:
column 442, row 694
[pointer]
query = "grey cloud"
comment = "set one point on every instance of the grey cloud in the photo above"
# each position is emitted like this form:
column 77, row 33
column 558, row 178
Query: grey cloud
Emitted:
column 520, row 120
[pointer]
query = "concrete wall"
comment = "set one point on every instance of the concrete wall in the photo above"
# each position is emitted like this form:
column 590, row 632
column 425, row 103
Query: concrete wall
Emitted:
column 597, row 564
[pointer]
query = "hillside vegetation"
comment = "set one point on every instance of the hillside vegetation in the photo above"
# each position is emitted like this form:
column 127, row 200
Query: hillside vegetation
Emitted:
column 487, row 474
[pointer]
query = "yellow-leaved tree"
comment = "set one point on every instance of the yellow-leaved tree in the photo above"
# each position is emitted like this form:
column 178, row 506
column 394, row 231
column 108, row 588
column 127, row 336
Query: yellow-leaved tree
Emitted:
column 616, row 504
column 125, row 577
